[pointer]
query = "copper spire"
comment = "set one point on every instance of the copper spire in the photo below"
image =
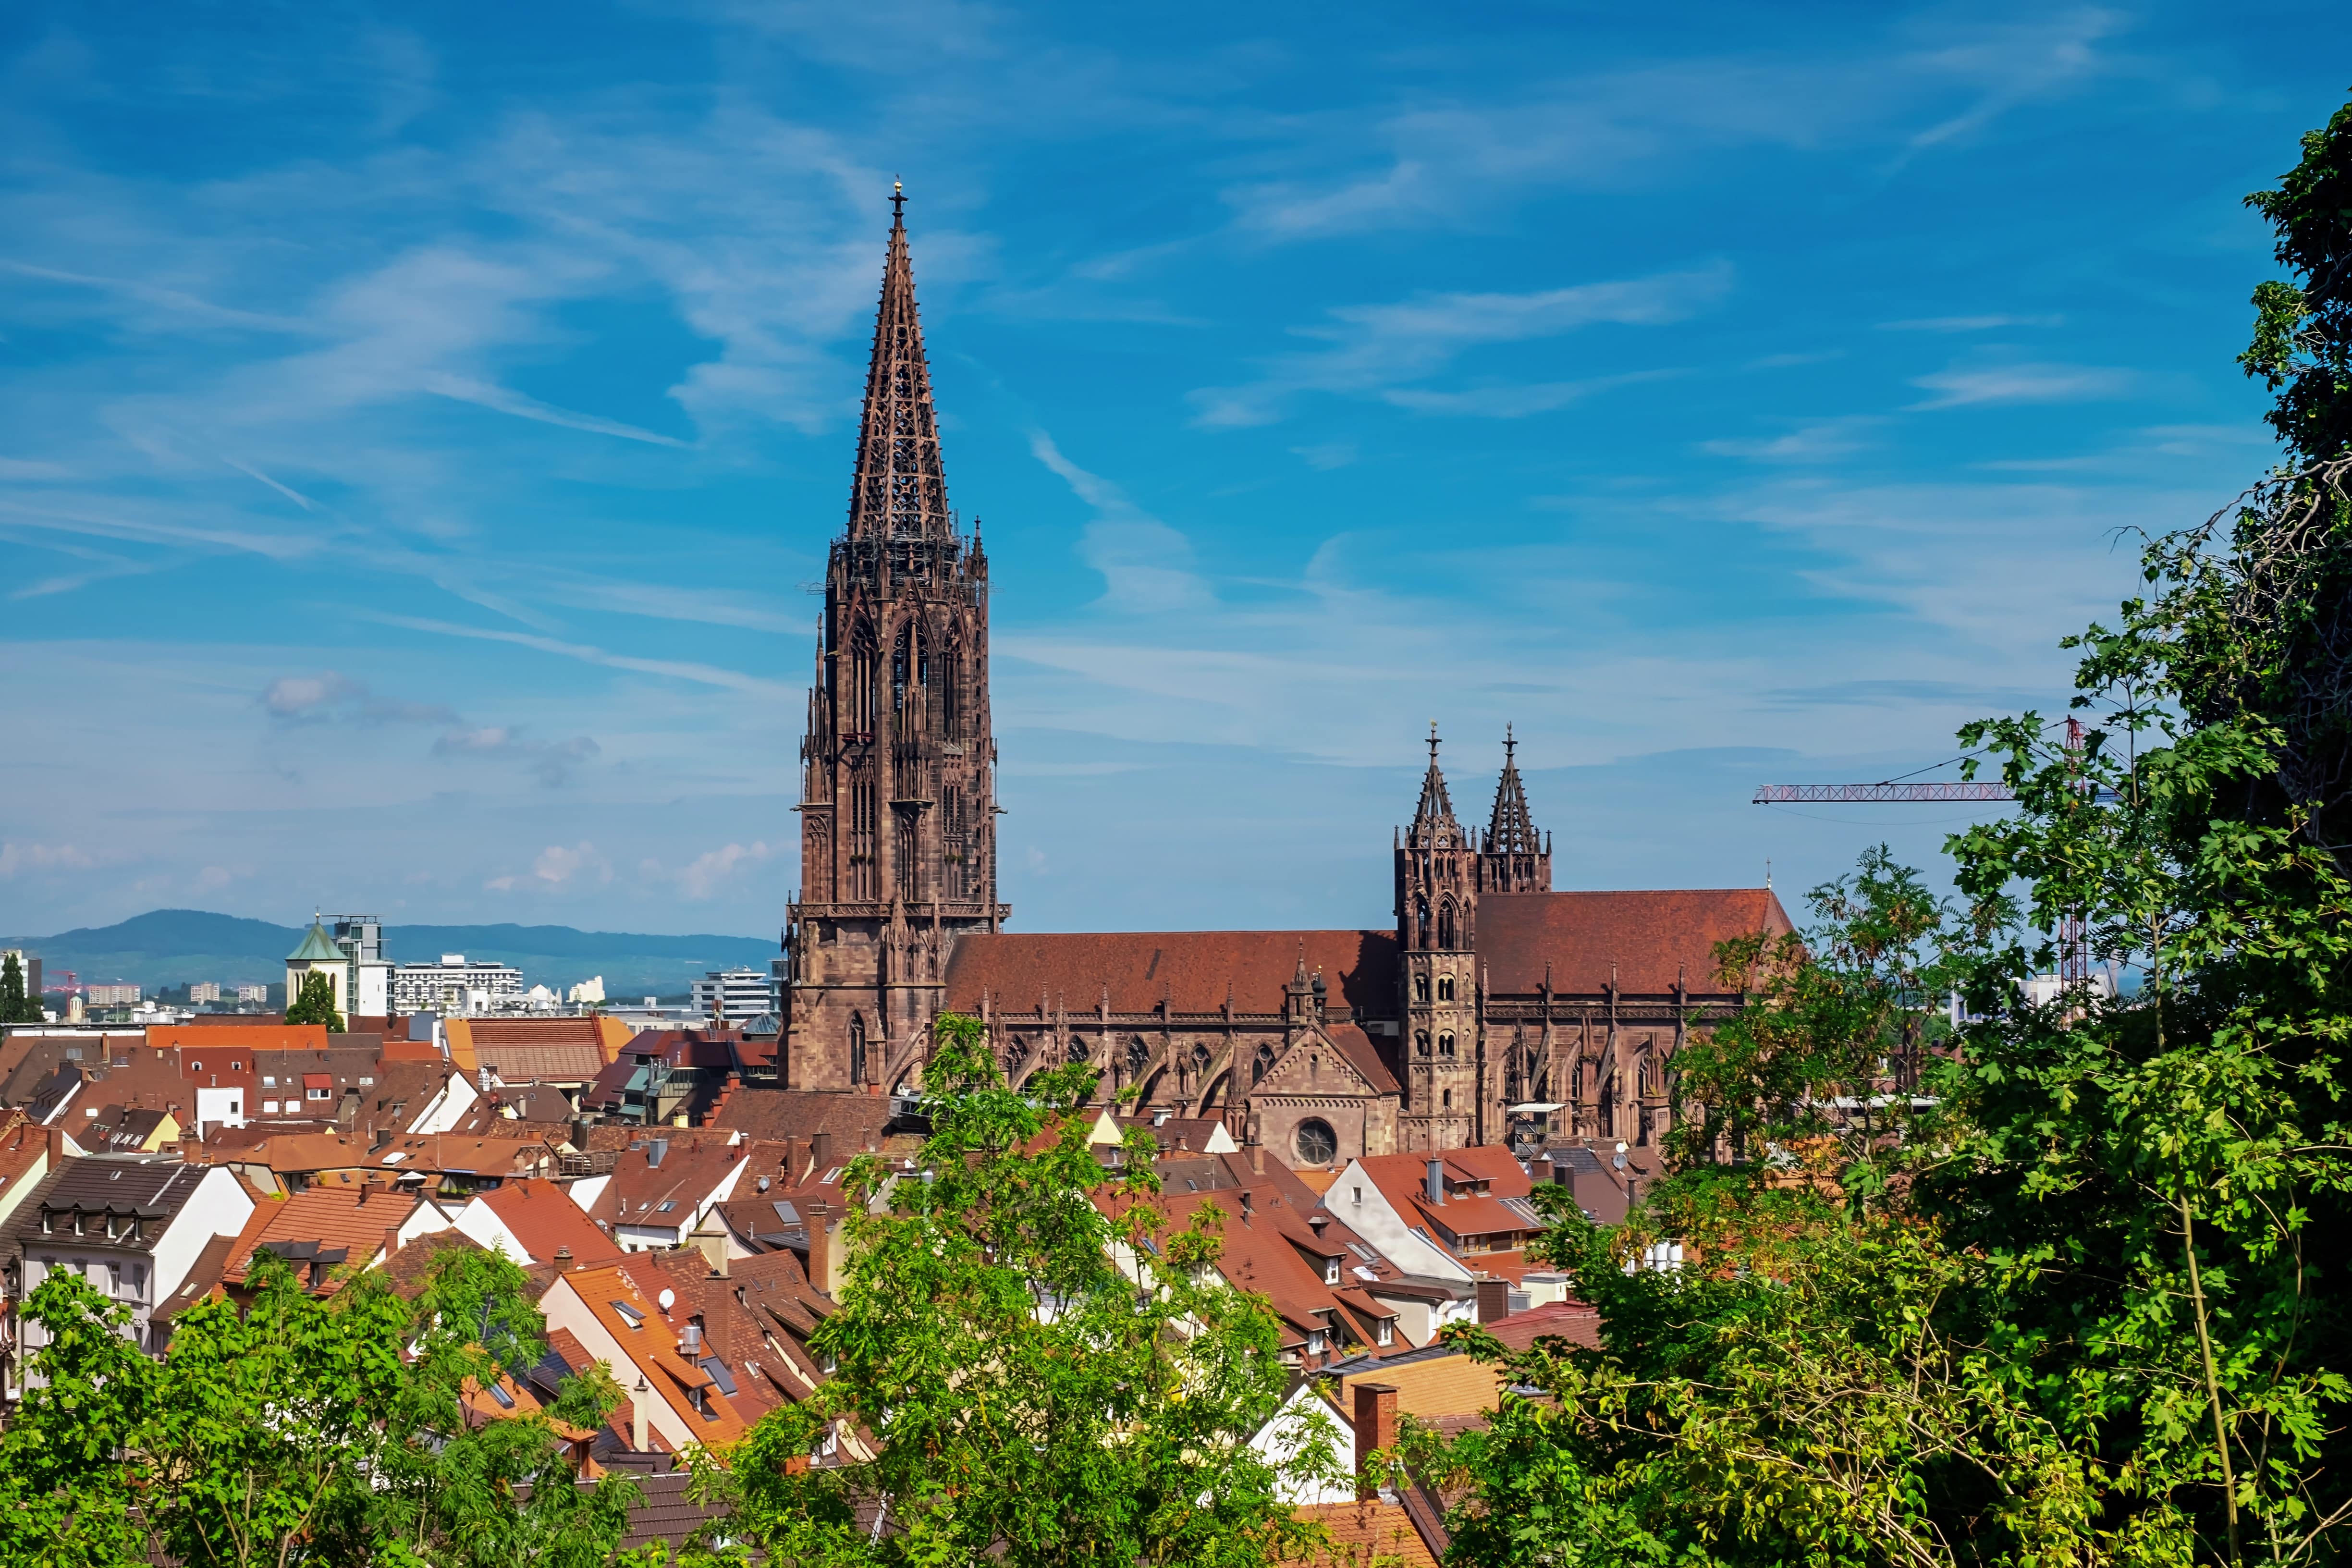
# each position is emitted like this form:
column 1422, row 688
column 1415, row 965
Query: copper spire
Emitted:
column 1511, row 831
column 901, row 491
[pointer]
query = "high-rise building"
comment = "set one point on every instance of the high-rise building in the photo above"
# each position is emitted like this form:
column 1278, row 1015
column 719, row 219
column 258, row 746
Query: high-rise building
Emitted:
column 453, row 985
column 898, row 766
column 111, row 996
column 253, row 993
column 203, row 991
column 736, row 995
column 29, row 966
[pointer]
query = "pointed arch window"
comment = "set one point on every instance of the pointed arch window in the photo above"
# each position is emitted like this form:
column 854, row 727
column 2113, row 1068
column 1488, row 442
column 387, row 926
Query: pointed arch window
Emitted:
column 858, row 1048
column 1138, row 1051
column 1262, row 1064
column 860, row 704
column 1445, row 925
column 906, row 671
column 1421, row 923
column 950, row 687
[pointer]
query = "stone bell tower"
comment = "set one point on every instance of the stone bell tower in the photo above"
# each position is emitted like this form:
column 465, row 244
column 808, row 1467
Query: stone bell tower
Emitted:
column 1436, row 911
column 897, row 770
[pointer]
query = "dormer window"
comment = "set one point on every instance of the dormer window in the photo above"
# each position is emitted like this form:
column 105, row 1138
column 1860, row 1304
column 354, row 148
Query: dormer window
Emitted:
column 1330, row 1271
column 1386, row 1331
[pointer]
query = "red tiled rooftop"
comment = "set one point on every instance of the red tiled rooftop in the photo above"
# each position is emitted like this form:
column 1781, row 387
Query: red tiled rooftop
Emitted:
column 1195, row 970
column 1648, row 940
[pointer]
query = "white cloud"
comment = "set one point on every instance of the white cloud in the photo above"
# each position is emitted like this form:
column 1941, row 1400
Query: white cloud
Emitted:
column 1825, row 441
column 710, row 873
column 552, row 762
column 1379, row 351
column 1146, row 566
column 556, row 865
column 15, row 857
column 1968, row 323
column 2012, row 384
column 328, row 695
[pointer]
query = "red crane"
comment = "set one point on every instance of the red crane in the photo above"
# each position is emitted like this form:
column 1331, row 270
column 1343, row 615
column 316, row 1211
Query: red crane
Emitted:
column 2073, row 941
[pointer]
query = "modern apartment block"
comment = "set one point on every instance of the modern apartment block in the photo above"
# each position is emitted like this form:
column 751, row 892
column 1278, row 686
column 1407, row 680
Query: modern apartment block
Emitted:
column 453, row 985
column 736, row 995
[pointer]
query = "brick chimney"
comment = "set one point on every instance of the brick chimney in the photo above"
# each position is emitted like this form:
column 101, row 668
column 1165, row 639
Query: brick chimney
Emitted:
column 1493, row 1300
column 1376, row 1427
column 1258, row 1158
column 820, row 1248
column 820, row 1155
column 1540, row 1170
column 391, row 1241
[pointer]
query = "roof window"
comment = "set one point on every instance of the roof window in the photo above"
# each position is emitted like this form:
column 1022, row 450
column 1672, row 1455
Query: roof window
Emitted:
column 629, row 1314
column 666, row 1205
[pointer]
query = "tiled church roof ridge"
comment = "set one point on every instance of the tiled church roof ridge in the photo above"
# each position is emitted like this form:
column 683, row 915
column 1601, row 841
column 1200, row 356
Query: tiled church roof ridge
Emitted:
column 1648, row 940
column 1194, row 971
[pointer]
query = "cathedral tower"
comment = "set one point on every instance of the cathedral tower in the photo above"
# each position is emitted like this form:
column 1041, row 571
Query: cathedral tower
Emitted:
column 897, row 770
column 1514, row 858
column 1436, row 910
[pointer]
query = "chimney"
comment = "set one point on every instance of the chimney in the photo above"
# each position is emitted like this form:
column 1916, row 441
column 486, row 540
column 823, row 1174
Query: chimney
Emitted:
column 820, row 1155
column 1318, row 1220
column 689, row 1343
column 712, row 1242
column 820, row 1248
column 563, row 1260
column 1493, row 1300
column 653, row 1152
column 1376, row 1428
column 1434, row 1187
column 1246, row 1209
column 1540, row 1170
column 639, row 1397
column 1258, row 1158
column 391, row 1241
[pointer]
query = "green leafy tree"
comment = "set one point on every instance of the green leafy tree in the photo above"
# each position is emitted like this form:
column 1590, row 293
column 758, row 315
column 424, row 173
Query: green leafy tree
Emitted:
column 1041, row 1384
column 1827, row 1042
column 16, row 1006
column 300, row 1429
column 315, row 1002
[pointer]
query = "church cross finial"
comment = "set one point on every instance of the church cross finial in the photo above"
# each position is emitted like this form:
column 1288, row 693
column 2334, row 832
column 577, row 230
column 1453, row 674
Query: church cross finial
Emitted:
column 897, row 203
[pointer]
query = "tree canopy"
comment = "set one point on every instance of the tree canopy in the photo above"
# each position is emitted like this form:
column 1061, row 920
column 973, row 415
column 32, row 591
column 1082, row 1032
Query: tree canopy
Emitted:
column 315, row 1002
column 1043, row 1384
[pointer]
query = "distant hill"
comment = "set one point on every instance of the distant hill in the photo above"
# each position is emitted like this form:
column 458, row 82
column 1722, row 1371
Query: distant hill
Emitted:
column 170, row 947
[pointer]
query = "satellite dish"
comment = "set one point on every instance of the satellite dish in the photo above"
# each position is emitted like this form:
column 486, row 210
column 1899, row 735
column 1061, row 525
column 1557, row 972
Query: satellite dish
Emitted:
column 666, row 1299
column 1621, row 1146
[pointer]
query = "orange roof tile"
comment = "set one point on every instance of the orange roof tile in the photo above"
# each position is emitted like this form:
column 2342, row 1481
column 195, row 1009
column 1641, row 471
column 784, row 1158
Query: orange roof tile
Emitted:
column 353, row 1220
column 1365, row 1533
column 543, row 1218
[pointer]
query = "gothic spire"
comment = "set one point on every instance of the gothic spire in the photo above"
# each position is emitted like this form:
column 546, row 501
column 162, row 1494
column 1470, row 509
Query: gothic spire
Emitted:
column 1436, row 807
column 901, row 491
column 1511, row 831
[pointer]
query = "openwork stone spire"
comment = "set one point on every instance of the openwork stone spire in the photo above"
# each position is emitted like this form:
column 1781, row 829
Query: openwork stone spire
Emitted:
column 1436, row 808
column 1511, row 831
column 901, row 491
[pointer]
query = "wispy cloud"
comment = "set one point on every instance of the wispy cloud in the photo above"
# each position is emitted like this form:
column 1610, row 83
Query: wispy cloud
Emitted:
column 1146, row 566
column 2007, row 383
column 505, row 400
column 552, row 762
column 328, row 695
column 556, row 865
column 1823, row 441
column 675, row 669
column 1379, row 350
column 1968, row 323
column 713, row 871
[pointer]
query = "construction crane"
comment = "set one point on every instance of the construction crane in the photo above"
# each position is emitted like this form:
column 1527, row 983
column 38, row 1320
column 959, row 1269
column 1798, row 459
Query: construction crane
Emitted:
column 2073, row 939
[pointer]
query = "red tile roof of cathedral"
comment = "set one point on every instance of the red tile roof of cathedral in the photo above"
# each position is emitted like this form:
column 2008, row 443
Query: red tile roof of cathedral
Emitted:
column 1195, row 970
column 1650, row 937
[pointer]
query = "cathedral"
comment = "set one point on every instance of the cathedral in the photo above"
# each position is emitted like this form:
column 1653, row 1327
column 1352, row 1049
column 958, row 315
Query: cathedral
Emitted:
column 1492, row 1010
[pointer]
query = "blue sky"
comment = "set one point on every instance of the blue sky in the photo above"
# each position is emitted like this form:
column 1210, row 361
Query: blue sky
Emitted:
column 419, row 425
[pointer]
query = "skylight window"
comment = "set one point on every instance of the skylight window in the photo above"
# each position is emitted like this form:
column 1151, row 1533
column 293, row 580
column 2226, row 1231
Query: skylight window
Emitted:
column 629, row 1314
column 666, row 1205
column 498, row 1393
